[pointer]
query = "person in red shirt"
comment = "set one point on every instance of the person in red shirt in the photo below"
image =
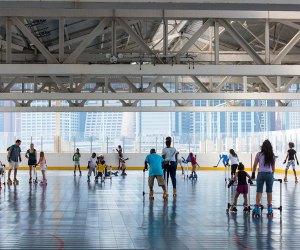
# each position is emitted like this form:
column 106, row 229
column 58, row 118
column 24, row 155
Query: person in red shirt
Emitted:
column 193, row 161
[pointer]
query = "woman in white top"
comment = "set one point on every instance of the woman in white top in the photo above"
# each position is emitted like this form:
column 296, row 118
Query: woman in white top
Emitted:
column 169, row 155
column 234, row 160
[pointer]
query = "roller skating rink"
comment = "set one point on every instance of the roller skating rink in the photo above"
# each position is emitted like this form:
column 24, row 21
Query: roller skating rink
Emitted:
column 70, row 213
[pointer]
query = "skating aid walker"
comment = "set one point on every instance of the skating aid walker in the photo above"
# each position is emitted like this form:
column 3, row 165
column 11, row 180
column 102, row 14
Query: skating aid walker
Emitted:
column 35, row 180
column 257, row 210
column 230, row 194
column 2, row 175
column 151, row 194
column 185, row 168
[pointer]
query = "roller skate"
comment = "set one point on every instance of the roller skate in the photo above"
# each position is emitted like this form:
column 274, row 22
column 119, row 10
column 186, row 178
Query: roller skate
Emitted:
column 30, row 180
column 246, row 209
column 151, row 195
column 16, row 181
column 165, row 196
column 9, row 182
column 285, row 179
column 233, row 209
column 35, row 181
column 256, row 212
column 96, row 180
column 296, row 180
column 88, row 180
column 74, row 173
column 174, row 193
column 80, row 173
column 270, row 211
column 43, row 182
column 123, row 174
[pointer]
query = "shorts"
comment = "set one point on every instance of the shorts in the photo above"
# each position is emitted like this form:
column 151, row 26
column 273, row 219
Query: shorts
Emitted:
column 233, row 169
column 91, row 170
column 194, row 168
column 77, row 164
column 242, row 189
column 13, row 165
column 290, row 163
column 160, row 180
column 31, row 162
column 44, row 167
column 264, row 177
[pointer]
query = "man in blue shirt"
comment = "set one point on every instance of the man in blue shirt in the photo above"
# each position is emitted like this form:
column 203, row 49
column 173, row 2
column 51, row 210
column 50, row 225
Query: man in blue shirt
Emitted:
column 14, row 155
column 155, row 171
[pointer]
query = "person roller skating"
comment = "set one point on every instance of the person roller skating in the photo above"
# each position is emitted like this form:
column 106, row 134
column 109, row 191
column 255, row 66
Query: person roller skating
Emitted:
column 291, row 157
column 193, row 161
column 170, row 163
column 2, row 173
column 92, row 163
column 123, row 166
column 101, row 169
column 242, row 187
column 266, row 161
column 120, row 155
column 76, row 159
column 42, row 162
column 32, row 159
column 234, row 160
column 155, row 162
column 14, row 156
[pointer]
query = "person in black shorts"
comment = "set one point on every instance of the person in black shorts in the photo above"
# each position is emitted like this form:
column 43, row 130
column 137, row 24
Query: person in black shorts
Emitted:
column 291, row 157
column 242, row 187
column 32, row 159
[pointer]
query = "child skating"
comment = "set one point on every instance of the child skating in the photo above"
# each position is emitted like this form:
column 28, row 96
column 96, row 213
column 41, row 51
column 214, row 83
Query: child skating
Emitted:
column 193, row 161
column 76, row 159
column 42, row 162
column 234, row 160
column 100, row 170
column 291, row 157
column 92, row 163
column 123, row 166
column 242, row 188
column 155, row 162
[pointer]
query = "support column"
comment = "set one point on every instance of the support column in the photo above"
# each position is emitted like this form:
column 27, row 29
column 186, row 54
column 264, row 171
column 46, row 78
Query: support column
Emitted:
column 245, row 81
column 113, row 38
column 61, row 39
column 165, row 37
column 8, row 40
column 216, row 42
column 267, row 42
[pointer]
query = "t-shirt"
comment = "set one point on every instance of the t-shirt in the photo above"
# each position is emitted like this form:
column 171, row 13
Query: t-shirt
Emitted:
column 92, row 162
column 260, row 157
column 193, row 160
column 31, row 155
column 179, row 158
column 169, row 154
column 291, row 153
column 234, row 160
column 76, row 157
column 155, row 161
column 100, row 167
column 224, row 158
column 242, row 177
column 14, row 153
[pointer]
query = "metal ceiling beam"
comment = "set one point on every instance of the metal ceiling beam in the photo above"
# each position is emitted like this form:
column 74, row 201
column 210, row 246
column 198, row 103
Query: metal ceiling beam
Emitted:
column 90, row 37
column 149, row 96
column 50, row 58
column 287, row 48
column 195, row 37
column 241, row 41
column 148, row 13
column 152, row 109
column 268, row 83
column 134, row 36
column 201, row 86
column 147, row 70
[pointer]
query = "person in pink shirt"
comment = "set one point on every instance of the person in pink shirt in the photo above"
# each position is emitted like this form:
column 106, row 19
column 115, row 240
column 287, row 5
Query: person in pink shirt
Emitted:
column 42, row 163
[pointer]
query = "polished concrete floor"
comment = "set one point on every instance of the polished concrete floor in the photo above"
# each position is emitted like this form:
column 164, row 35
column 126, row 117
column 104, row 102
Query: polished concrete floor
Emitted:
column 69, row 213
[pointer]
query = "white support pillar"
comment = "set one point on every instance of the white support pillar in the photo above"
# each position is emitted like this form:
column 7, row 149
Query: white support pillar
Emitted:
column 216, row 42
column 8, row 40
column 245, row 80
column 267, row 42
column 165, row 37
column 61, row 39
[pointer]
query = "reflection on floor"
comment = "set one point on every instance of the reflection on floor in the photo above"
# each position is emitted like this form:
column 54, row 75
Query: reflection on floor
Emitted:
column 70, row 213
